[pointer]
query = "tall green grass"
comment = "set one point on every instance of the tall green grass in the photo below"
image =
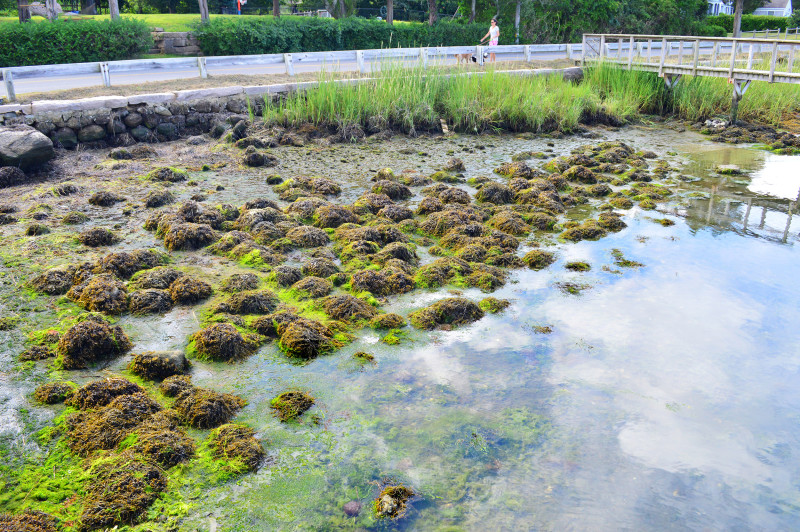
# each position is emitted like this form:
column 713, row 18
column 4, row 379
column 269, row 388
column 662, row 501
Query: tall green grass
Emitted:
column 416, row 99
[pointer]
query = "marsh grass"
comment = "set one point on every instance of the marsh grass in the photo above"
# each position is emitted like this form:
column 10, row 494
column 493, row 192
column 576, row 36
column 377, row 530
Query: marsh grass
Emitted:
column 415, row 99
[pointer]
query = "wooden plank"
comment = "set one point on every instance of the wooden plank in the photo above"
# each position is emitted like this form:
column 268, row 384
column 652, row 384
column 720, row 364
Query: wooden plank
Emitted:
column 773, row 62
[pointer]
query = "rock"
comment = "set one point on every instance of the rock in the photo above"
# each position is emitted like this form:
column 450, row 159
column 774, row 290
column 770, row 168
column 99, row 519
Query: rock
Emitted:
column 133, row 120
column 66, row 138
column 91, row 133
column 24, row 146
column 352, row 508
column 140, row 133
column 168, row 130
column 10, row 176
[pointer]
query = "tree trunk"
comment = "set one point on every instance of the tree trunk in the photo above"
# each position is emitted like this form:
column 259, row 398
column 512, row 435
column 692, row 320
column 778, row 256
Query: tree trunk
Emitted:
column 203, row 10
column 342, row 9
column 113, row 9
column 276, row 8
column 23, row 12
column 516, row 22
column 50, row 10
column 472, row 13
column 433, row 13
column 737, row 19
column 390, row 12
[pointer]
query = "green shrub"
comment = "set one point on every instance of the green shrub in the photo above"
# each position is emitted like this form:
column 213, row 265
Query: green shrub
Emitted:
column 709, row 30
column 750, row 22
column 46, row 43
column 286, row 35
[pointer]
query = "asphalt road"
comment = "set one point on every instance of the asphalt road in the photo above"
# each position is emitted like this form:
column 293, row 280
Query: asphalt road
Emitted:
column 62, row 82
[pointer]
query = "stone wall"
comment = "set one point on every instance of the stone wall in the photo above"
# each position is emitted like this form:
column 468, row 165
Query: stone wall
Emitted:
column 175, row 42
column 122, row 121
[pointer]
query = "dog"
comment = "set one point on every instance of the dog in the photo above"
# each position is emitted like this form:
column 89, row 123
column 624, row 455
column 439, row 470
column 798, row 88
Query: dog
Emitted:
column 464, row 57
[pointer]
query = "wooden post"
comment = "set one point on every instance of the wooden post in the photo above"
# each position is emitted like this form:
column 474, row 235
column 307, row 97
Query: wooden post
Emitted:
column 630, row 53
column 360, row 61
column 750, row 57
column 602, row 46
column 583, row 51
column 773, row 61
column 663, row 57
column 201, row 65
column 287, row 58
column 696, row 56
column 619, row 48
column 734, row 44
column 680, row 53
column 8, row 81
column 649, row 50
column 714, row 55
column 791, row 58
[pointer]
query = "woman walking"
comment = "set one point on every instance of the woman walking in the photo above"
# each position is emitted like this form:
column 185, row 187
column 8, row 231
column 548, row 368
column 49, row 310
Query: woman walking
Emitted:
column 493, row 35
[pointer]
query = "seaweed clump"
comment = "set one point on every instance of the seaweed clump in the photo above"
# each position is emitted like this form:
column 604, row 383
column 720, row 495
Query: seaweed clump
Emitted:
column 236, row 445
column 492, row 305
column 51, row 393
column 538, row 260
column 313, row 287
column 100, row 393
column 98, row 236
column 349, row 308
column 157, row 366
column 291, row 405
column 175, row 385
column 387, row 321
column 150, row 301
column 120, row 491
column 304, row 338
column 91, row 341
column 221, row 341
column 55, row 281
column 189, row 236
column 187, row 290
column 29, row 521
column 393, row 501
column 207, row 409
column 105, row 199
column 239, row 282
column 250, row 302
column 101, row 293
column 446, row 312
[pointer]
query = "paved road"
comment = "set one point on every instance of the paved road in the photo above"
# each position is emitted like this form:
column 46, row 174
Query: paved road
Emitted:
column 62, row 82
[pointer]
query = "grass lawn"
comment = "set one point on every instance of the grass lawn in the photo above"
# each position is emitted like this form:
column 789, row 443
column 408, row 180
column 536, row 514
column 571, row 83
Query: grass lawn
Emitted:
column 182, row 22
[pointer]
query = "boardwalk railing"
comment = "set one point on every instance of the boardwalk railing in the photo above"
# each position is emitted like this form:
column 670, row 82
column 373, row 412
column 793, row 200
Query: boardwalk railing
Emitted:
column 740, row 61
column 363, row 60
column 777, row 33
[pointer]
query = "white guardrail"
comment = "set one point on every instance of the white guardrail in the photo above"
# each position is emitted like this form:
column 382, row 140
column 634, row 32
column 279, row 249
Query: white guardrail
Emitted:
column 362, row 58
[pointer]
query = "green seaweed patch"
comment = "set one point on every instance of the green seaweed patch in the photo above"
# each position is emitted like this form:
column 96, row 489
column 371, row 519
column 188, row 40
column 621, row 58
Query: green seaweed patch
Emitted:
column 392, row 502
column 578, row 266
column 622, row 262
column 493, row 305
column 363, row 357
column 395, row 337
column 571, row 288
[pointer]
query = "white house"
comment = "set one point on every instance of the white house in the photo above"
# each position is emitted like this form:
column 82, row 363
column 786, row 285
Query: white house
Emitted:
column 776, row 8
column 719, row 7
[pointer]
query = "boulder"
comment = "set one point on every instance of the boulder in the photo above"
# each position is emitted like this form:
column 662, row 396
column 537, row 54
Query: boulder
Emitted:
column 66, row 138
column 24, row 147
column 91, row 133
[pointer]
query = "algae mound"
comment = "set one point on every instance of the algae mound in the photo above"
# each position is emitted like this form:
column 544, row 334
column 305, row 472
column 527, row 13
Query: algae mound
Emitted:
column 291, row 405
column 446, row 312
column 91, row 341
column 392, row 501
column 221, row 341
column 206, row 409
column 51, row 393
column 236, row 445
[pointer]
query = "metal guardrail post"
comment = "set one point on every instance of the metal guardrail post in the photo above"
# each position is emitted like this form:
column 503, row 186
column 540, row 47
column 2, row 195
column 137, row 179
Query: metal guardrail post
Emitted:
column 201, row 65
column 528, row 53
column 287, row 59
column 479, row 53
column 8, row 81
column 360, row 61
column 105, row 74
column 423, row 57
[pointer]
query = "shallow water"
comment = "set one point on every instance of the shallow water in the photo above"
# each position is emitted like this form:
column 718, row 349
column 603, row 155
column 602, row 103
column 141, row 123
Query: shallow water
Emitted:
column 667, row 396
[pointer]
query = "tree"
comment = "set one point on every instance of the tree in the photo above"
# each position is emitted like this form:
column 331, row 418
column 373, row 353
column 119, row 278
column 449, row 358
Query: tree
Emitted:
column 276, row 8
column 516, row 22
column 113, row 9
column 472, row 13
column 433, row 12
column 22, row 11
column 390, row 12
column 737, row 19
column 203, row 10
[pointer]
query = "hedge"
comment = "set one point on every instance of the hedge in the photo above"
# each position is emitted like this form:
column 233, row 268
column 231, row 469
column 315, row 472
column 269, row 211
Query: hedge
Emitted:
column 750, row 22
column 709, row 30
column 287, row 35
column 47, row 43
